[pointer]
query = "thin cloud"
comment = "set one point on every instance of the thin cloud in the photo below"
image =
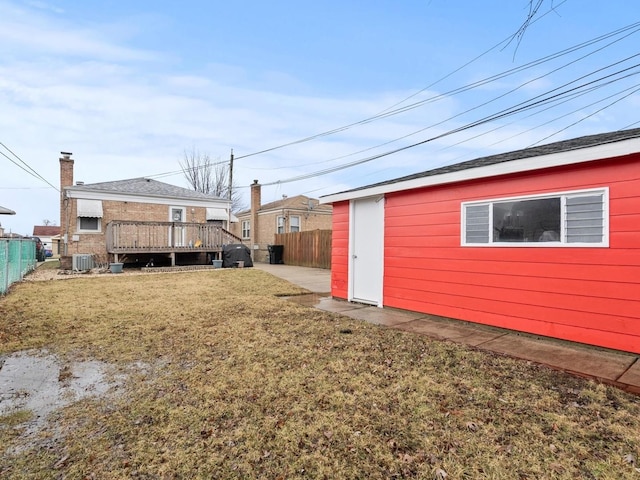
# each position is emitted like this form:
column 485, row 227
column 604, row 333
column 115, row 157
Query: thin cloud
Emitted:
column 45, row 6
column 26, row 31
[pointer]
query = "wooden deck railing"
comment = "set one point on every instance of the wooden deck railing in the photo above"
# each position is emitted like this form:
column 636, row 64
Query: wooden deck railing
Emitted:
column 139, row 237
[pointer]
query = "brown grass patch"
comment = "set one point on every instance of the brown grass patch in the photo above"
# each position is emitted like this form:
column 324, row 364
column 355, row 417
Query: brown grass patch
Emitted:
column 239, row 383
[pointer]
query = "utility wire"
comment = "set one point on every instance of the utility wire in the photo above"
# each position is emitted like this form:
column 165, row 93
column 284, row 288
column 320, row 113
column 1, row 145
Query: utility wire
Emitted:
column 634, row 88
column 449, row 93
column 176, row 172
column 584, row 118
column 502, row 114
column 568, row 99
column 629, row 30
column 28, row 170
column 481, row 83
column 473, row 60
column 497, row 98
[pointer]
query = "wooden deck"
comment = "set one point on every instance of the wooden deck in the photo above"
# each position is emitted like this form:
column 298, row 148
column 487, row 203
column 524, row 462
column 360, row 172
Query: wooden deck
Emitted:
column 168, row 238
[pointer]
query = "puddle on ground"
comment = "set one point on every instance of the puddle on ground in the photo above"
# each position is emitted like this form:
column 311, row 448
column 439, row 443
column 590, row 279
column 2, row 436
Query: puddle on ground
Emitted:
column 41, row 383
column 310, row 299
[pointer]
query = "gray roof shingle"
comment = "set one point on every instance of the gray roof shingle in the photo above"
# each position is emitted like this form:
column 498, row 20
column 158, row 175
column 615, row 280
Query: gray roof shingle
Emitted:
column 556, row 147
column 145, row 186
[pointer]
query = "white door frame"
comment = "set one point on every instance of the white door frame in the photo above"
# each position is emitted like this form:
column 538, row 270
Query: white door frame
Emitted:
column 178, row 231
column 375, row 255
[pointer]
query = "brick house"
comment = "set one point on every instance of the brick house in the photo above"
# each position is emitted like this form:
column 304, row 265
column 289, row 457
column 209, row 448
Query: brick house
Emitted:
column 258, row 225
column 136, row 220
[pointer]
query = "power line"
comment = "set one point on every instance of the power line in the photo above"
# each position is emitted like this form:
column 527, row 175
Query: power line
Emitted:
column 584, row 118
column 176, row 172
column 568, row 99
column 626, row 31
column 528, row 104
column 488, row 80
column 28, row 170
column 522, row 106
column 454, row 91
column 473, row 60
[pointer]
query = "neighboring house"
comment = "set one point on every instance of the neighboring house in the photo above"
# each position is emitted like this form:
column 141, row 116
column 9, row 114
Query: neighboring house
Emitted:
column 48, row 235
column 258, row 225
column 544, row 240
column 140, row 219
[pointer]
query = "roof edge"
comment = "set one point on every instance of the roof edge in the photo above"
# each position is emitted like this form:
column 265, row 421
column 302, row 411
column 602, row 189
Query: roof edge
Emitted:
column 601, row 151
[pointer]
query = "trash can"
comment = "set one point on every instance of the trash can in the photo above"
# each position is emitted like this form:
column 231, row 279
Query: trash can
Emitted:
column 275, row 254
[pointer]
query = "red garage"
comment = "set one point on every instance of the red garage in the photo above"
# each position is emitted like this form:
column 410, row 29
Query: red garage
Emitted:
column 544, row 240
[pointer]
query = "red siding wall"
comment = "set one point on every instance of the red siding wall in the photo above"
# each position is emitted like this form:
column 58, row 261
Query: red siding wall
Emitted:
column 589, row 295
column 340, row 250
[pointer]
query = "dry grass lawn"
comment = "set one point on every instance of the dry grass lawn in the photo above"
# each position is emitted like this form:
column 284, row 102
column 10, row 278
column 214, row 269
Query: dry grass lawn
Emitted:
column 226, row 380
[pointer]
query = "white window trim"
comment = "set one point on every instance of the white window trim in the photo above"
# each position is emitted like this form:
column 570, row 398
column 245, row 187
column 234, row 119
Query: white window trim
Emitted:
column 175, row 207
column 559, row 244
column 284, row 224
column 81, row 230
column 242, row 229
column 291, row 223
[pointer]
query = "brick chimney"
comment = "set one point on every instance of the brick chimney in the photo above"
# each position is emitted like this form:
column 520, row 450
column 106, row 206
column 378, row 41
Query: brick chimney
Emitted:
column 66, row 180
column 256, row 201
column 66, row 170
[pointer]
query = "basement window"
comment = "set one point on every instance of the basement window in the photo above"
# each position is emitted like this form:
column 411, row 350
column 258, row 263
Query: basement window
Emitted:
column 576, row 219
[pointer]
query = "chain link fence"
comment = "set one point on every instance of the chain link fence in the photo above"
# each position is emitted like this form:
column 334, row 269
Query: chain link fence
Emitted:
column 17, row 258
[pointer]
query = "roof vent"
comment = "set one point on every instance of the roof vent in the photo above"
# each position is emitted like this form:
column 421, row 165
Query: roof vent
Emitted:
column 79, row 183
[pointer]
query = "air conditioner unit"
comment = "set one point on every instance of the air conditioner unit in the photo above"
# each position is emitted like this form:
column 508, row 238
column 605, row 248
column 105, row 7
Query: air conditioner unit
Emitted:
column 82, row 262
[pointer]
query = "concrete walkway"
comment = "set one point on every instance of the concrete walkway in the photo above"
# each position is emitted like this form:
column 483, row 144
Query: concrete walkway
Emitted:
column 613, row 367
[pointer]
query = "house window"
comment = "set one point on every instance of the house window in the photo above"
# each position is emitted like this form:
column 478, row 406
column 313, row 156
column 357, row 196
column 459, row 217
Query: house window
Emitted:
column 88, row 224
column 177, row 214
column 294, row 223
column 246, row 229
column 578, row 218
column 280, row 224
column 89, row 214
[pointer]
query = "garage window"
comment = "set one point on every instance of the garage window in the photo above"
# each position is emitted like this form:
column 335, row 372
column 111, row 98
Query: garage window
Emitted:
column 578, row 218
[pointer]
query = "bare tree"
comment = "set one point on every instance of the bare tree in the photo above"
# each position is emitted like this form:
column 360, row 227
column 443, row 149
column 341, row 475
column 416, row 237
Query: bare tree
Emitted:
column 210, row 177
column 46, row 222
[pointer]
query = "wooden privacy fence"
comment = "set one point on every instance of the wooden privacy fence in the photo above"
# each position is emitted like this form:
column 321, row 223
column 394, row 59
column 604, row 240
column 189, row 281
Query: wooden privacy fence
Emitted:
column 306, row 249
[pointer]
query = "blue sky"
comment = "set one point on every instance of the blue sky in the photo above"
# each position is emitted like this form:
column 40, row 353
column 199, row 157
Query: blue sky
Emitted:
column 129, row 86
